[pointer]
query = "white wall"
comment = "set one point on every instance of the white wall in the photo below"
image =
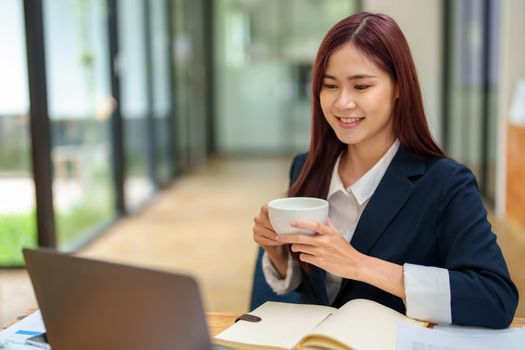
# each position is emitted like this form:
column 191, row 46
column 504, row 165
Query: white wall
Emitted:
column 512, row 68
column 420, row 21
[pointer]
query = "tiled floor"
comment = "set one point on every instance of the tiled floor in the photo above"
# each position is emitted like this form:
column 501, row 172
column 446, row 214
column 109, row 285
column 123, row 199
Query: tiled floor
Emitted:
column 202, row 225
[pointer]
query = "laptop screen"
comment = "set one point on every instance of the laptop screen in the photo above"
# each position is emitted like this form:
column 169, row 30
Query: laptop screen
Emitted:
column 91, row 304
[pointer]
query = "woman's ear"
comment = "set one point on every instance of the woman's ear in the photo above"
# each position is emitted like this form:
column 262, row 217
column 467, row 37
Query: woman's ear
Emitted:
column 397, row 91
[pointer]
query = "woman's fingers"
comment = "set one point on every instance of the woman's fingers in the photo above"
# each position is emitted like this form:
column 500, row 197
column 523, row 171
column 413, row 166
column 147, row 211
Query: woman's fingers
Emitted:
column 264, row 236
column 263, row 219
column 304, row 248
column 264, row 232
column 321, row 229
column 297, row 239
column 310, row 259
column 266, row 242
column 318, row 227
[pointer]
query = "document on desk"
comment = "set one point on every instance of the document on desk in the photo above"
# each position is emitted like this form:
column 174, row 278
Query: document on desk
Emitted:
column 14, row 337
column 458, row 338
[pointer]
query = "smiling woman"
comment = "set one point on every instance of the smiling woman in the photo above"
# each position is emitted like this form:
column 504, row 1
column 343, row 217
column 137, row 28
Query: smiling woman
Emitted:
column 407, row 227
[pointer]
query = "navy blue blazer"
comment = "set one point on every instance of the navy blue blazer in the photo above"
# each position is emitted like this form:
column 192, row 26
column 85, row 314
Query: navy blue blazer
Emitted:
column 428, row 211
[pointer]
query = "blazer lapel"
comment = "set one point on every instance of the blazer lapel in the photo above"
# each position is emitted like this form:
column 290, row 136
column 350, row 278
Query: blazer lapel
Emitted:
column 392, row 192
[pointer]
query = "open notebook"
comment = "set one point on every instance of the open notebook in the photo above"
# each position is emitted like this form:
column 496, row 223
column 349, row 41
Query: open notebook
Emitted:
column 359, row 324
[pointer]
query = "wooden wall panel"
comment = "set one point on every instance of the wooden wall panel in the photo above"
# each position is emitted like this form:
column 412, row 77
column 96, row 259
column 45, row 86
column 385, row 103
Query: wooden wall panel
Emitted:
column 516, row 174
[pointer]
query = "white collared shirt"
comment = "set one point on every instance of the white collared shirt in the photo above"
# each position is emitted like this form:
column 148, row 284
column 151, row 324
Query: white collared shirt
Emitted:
column 427, row 288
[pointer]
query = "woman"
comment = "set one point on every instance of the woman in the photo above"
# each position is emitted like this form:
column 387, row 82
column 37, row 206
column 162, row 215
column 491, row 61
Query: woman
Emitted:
column 407, row 225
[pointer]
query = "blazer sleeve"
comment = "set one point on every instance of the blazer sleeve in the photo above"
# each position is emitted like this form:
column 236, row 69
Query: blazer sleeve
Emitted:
column 482, row 293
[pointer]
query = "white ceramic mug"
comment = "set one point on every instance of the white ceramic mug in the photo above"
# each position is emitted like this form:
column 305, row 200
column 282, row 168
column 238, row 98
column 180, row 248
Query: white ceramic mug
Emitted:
column 282, row 211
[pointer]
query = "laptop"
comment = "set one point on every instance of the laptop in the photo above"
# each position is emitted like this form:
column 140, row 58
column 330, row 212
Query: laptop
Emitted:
column 91, row 304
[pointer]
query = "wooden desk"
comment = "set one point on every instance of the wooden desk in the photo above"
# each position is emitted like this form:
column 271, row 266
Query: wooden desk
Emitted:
column 219, row 321
column 518, row 322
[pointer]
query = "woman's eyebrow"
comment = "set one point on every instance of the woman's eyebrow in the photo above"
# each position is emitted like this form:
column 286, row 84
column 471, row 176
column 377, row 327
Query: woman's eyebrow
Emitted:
column 352, row 77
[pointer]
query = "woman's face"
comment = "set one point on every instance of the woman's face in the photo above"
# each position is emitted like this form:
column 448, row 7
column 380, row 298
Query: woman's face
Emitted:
column 357, row 99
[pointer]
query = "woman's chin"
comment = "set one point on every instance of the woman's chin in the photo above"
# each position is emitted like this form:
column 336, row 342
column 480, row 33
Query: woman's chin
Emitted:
column 349, row 139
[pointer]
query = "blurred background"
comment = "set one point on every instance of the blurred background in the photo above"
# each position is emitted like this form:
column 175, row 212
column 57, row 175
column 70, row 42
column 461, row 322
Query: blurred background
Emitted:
column 150, row 132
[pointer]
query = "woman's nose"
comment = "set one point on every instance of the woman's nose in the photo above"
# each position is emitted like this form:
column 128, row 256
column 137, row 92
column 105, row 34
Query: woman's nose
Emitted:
column 345, row 101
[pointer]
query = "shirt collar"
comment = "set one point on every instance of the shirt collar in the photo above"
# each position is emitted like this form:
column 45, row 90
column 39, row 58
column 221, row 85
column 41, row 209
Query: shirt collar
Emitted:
column 366, row 185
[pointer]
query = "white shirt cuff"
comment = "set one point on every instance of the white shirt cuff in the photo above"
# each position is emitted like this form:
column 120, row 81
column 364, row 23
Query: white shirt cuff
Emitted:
column 280, row 285
column 427, row 291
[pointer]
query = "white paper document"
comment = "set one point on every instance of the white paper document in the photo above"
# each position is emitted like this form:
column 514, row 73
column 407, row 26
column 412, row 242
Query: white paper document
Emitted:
column 459, row 338
column 14, row 337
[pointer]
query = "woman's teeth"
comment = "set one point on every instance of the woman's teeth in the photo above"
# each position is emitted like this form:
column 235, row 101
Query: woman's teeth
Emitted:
column 350, row 120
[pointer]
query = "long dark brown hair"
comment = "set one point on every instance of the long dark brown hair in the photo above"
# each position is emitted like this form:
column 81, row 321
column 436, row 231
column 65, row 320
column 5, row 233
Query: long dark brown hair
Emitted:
column 379, row 38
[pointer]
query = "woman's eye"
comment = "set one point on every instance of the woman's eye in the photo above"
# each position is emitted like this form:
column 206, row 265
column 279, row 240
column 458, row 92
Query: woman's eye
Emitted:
column 330, row 86
column 361, row 87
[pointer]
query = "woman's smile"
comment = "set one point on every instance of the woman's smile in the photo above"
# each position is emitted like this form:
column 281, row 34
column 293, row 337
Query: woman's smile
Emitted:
column 348, row 123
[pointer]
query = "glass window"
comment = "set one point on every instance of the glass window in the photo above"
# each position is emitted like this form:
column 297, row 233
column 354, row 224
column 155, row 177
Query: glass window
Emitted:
column 190, row 84
column 80, row 106
column 17, row 201
column 473, row 90
column 138, row 185
column 161, row 88
column 465, row 95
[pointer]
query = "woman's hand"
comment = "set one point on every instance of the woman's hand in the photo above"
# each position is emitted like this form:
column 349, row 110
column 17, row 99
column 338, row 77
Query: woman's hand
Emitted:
column 330, row 251
column 265, row 236
column 327, row 249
